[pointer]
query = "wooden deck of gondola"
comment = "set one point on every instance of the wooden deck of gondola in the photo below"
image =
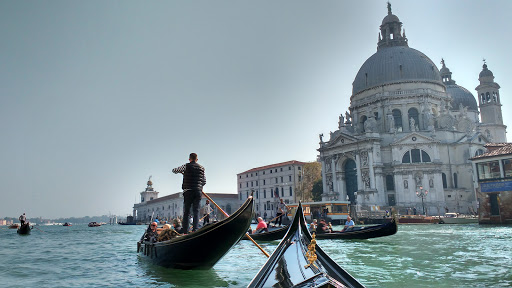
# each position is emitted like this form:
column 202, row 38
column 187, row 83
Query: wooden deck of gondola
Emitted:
column 289, row 266
column 201, row 249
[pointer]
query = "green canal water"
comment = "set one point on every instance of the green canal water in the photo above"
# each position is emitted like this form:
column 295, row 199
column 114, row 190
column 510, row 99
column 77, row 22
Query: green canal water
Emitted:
column 417, row 256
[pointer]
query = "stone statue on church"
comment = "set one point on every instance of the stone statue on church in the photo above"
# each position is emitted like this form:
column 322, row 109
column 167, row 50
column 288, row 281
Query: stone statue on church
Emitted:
column 341, row 121
column 348, row 117
column 412, row 124
column 321, row 137
column 391, row 123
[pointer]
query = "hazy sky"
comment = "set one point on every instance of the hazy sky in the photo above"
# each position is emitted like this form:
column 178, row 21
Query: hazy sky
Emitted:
column 96, row 96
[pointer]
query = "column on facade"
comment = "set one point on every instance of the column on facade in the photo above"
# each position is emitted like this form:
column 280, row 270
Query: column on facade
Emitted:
column 323, row 175
column 358, row 169
column 372, row 172
column 333, row 170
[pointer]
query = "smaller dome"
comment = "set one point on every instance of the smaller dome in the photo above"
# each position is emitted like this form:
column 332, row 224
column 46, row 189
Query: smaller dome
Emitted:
column 461, row 95
column 485, row 72
column 444, row 70
column 390, row 18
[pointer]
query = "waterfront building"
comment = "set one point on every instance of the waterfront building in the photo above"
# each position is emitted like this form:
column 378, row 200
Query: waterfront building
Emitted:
column 270, row 183
column 171, row 206
column 493, row 179
column 409, row 132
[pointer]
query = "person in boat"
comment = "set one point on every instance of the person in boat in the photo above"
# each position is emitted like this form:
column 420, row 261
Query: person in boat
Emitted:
column 281, row 211
column 151, row 233
column 322, row 227
column 167, row 233
column 193, row 181
column 348, row 224
column 262, row 226
column 313, row 225
column 207, row 209
column 176, row 224
column 22, row 219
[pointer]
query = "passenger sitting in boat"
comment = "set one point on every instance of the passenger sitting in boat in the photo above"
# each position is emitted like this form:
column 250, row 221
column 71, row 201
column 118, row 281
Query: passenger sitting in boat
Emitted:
column 322, row 227
column 348, row 224
column 313, row 225
column 262, row 226
column 167, row 233
column 151, row 233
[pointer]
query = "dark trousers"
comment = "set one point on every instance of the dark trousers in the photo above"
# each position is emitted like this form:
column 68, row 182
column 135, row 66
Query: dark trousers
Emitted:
column 279, row 218
column 191, row 198
column 206, row 219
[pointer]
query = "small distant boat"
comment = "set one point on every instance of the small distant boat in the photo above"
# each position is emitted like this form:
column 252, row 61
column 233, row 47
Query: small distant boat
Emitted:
column 126, row 223
column 417, row 219
column 299, row 262
column 94, row 224
column 67, row 224
column 14, row 226
column 363, row 232
column 201, row 249
column 24, row 229
column 455, row 218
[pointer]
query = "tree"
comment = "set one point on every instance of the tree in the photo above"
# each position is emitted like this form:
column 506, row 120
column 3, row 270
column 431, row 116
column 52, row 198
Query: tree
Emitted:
column 311, row 173
column 317, row 190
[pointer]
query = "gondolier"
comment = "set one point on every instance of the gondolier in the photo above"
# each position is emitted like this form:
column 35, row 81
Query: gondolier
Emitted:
column 282, row 209
column 193, row 182
column 207, row 209
column 22, row 219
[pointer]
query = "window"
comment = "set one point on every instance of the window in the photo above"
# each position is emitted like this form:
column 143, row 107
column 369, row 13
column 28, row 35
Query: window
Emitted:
column 445, row 183
column 240, row 185
column 488, row 170
column 246, row 184
column 270, row 171
column 291, row 193
column 479, row 151
column 299, row 168
column 276, row 171
column 417, row 156
column 281, row 179
column 290, row 178
column 247, row 194
column 257, row 195
column 263, row 172
column 507, row 167
column 397, row 115
column 363, row 119
column 252, row 184
column 263, row 181
column 455, row 184
column 251, row 174
column 257, row 183
column 256, row 173
column 276, row 180
column 281, row 169
column 264, row 193
column 289, row 167
column 282, row 192
column 390, row 183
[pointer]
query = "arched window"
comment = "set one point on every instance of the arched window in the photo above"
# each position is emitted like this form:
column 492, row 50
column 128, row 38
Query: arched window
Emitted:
column 363, row 119
column 390, row 183
column 482, row 98
column 494, row 97
column 413, row 113
column 488, row 97
column 397, row 115
column 445, row 183
column 416, row 156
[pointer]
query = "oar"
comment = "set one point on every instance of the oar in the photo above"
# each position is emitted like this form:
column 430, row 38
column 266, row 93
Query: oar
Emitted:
column 205, row 216
column 246, row 234
column 38, row 229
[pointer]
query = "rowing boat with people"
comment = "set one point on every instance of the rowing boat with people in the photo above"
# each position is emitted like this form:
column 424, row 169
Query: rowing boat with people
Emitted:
column 203, row 248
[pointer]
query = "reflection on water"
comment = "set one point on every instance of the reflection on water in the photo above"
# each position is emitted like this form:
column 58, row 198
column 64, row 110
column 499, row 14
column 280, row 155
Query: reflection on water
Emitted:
column 182, row 278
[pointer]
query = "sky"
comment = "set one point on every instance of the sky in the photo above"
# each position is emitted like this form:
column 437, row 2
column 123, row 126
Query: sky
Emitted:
column 96, row 96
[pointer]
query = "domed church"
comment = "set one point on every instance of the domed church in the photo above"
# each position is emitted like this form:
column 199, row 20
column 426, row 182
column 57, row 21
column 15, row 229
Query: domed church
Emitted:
column 409, row 132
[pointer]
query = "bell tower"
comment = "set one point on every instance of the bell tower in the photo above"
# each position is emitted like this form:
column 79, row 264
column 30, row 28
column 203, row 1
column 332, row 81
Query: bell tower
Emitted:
column 148, row 194
column 490, row 107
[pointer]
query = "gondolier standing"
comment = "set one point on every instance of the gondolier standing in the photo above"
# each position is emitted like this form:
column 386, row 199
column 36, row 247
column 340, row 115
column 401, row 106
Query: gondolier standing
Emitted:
column 193, row 182
column 281, row 211
column 207, row 209
column 22, row 219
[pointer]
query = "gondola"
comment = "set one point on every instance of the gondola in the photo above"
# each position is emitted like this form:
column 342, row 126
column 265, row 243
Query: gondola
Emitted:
column 299, row 262
column 201, row 249
column 272, row 235
column 24, row 229
column 363, row 232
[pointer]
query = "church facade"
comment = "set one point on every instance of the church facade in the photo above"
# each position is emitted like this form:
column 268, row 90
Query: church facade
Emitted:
column 410, row 131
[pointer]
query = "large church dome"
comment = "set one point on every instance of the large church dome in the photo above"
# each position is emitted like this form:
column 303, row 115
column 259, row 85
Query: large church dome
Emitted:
column 394, row 62
column 394, row 65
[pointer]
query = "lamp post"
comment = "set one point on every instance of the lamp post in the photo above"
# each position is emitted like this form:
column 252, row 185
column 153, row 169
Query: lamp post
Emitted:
column 422, row 194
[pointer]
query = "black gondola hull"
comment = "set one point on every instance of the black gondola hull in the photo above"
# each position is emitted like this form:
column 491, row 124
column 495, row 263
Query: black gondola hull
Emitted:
column 365, row 232
column 272, row 235
column 288, row 265
column 203, row 248
column 24, row 229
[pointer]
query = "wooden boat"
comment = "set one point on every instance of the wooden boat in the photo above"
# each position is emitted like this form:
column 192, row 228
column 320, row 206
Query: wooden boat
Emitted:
column 201, row 249
column 94, row 224
column 417, row 219
column 273, row 234
column 14, row 226
column 299, row 262
column 363, row 232
column 24, row 229
column 67, row 224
